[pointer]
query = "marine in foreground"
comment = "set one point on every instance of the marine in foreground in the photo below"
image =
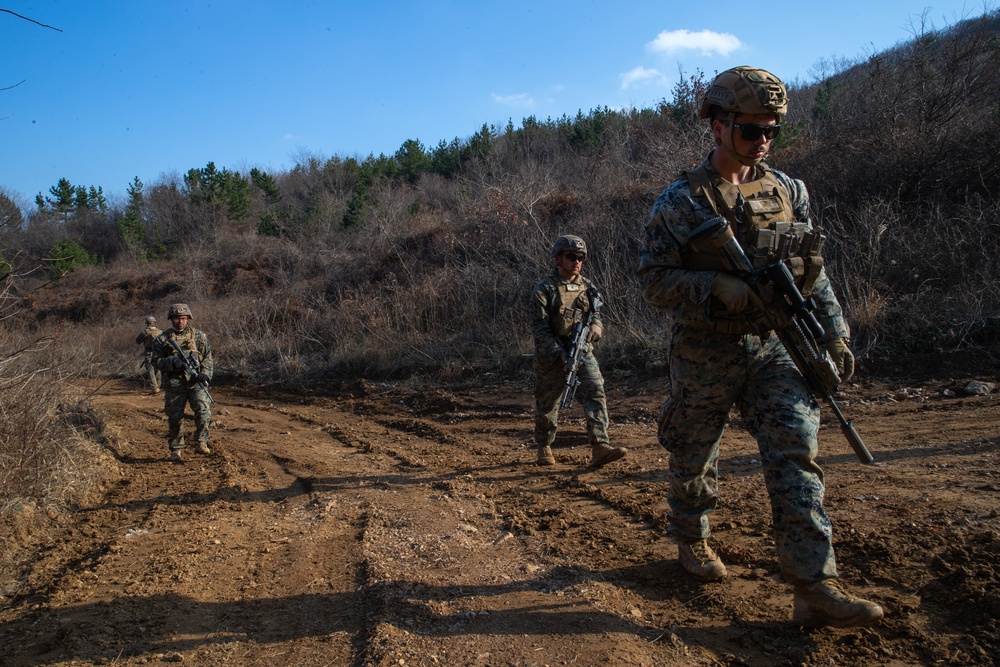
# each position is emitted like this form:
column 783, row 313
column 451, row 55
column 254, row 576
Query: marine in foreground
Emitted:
column 722, row 352
column 184, row 356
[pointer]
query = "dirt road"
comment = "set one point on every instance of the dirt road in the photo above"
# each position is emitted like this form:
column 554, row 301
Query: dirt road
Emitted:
column 386, row 527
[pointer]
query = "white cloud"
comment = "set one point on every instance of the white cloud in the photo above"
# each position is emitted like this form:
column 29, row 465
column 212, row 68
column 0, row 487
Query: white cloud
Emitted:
column 706, row 41
column 638, row 76
column 521, row 100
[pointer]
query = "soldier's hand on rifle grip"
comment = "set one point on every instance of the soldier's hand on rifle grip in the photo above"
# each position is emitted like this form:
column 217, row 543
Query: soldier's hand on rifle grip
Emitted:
column 201, row 378
column 596, row 331
column 177, row 361
column 731, row 291
column 842, row 358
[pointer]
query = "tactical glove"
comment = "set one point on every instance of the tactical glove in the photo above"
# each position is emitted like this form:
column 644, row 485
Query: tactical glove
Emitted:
column 178, row 362
column 841, row 357
column 201, row 378
column 596, row 331
column 731, row 291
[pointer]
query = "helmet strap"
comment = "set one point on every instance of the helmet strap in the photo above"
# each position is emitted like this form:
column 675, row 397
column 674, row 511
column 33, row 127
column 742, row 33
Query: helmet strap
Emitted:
column 742, row 159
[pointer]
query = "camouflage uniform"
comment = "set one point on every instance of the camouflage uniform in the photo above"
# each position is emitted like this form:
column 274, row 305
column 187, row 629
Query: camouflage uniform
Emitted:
column 177, row 390
column 552, row 326
column 146, row 338
column 714, row 364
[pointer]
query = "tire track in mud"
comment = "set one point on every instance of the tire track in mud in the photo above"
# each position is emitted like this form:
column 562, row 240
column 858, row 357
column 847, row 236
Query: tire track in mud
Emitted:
column 545, row 551
column 225, row 558
column 580, row 488
column 586, row 539
column 595, row 535
column 433, row 539
column 382, row 526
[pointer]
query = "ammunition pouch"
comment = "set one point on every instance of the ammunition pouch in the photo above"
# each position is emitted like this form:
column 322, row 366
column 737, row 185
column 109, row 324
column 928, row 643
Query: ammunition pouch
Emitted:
column 795, row 243
column 571, row 307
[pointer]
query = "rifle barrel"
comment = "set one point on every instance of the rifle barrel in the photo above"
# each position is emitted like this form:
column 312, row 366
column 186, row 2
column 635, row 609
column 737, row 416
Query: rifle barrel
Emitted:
column 853, row 437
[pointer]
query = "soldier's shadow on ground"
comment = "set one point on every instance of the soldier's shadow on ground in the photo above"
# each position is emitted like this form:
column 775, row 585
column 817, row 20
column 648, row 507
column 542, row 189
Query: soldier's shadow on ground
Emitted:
column 129, row 459
column 304, row 486
column 515, row 471
column 131, row 626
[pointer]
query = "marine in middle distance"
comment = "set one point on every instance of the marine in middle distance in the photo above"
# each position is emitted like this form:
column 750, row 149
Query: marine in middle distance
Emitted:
column 558, row 303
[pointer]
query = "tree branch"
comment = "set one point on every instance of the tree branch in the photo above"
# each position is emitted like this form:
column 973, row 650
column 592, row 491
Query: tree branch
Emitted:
column 7, row 11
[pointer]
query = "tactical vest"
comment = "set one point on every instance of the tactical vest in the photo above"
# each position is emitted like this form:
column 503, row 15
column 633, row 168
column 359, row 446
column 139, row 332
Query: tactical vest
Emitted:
column 761, row 216
column 571, row 306
column 151, row 334
column 186, row 340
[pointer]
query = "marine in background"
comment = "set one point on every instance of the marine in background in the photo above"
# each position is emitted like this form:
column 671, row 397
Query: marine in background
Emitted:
column 146, row 338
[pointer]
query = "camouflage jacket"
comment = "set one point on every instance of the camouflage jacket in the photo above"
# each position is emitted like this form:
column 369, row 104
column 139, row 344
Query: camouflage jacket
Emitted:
column 190, row 339
column 685, row 294
column 556, row 304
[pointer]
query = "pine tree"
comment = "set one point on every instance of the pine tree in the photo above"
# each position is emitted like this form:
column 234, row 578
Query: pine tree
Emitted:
column 221, row 191
column 131, row 226
column 80, row 200
column 96, row 200
column 266, row 184
column 67, row 255
column 63, row 196
column 412, row 159
column 10, row 214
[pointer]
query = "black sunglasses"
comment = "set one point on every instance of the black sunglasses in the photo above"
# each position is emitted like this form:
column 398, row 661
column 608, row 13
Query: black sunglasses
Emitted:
column 573, row 257
column 750, row 132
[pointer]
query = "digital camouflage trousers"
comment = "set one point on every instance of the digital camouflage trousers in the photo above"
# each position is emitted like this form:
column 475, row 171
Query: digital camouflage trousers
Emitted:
column 709, row 373
column 550, row 379
column 150, row 371
column 173, row 404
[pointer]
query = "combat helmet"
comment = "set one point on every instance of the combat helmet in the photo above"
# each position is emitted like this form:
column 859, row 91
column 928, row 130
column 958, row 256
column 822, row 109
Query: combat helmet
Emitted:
column 569, row 243
column 745, row 90
column 150, row 320
column 179, row 309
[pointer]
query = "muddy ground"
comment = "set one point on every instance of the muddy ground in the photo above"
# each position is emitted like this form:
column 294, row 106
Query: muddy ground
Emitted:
column 389, row 526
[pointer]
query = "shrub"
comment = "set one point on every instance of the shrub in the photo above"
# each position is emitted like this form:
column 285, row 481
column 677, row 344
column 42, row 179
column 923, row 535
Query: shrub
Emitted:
column 67, row 255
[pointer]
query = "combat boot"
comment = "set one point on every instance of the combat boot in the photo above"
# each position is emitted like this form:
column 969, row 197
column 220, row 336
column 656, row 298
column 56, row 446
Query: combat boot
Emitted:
column 202, row 448
column 602, row 453
column 545, row 457
column 828, row 603
column 700, row 560
column 175, row 456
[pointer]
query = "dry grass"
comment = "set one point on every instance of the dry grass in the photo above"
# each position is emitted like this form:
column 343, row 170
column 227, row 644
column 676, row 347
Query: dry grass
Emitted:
column 47, row 433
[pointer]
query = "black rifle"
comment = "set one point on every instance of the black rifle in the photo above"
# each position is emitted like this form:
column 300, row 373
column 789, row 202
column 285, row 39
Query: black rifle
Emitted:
column 579, row 345
column 191, row 368
column 792, row 318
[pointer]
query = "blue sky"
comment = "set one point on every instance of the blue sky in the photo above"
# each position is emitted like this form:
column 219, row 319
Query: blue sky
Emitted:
column 152, row 89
